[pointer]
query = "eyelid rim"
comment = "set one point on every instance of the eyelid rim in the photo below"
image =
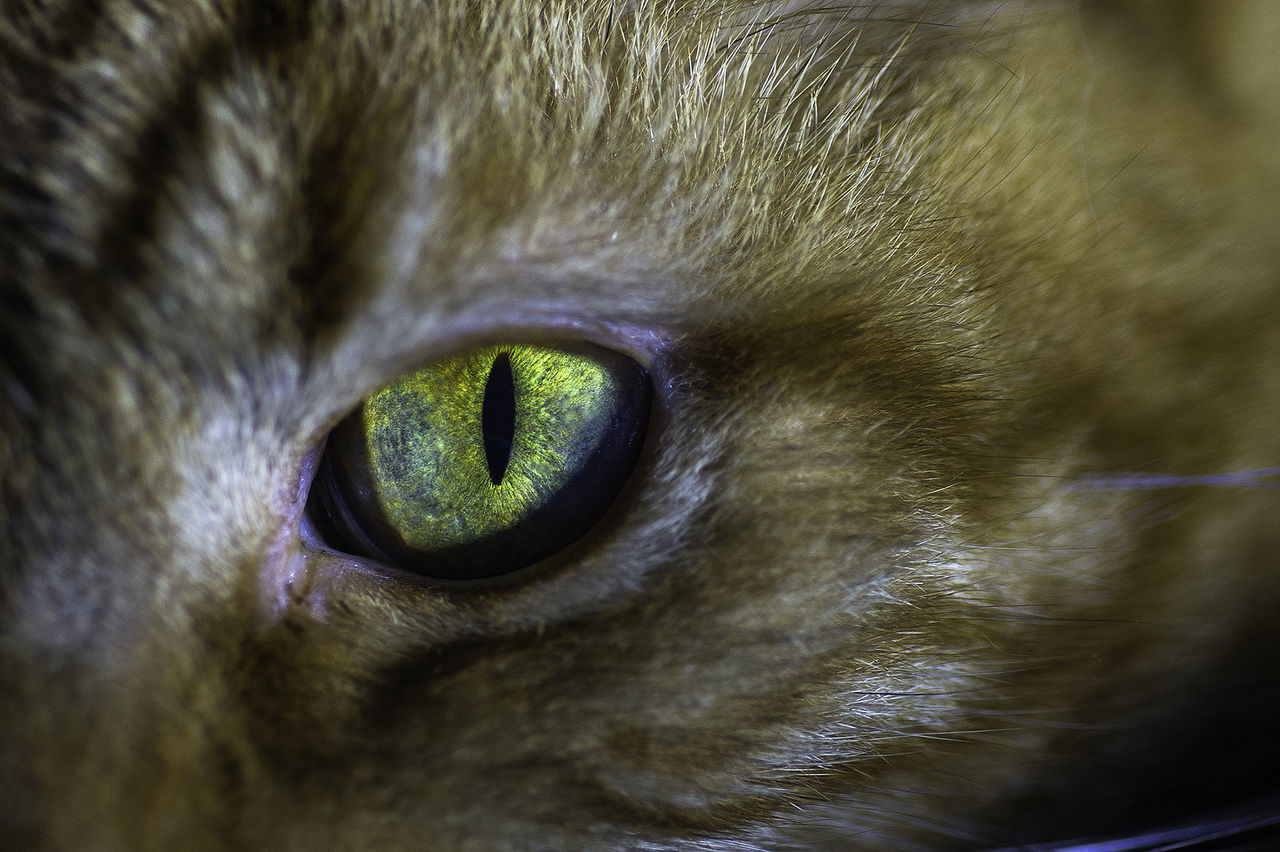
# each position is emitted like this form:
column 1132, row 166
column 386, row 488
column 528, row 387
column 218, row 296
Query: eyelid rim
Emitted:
column 378, row 563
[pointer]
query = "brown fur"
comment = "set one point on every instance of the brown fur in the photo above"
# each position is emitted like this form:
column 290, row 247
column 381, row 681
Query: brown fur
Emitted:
column 927, row 289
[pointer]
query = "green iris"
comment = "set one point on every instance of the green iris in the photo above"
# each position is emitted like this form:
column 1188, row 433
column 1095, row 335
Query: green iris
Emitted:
column 484, row 462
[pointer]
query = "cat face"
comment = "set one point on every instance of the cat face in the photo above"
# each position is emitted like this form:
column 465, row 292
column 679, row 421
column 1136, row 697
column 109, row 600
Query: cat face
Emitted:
column 922, row 299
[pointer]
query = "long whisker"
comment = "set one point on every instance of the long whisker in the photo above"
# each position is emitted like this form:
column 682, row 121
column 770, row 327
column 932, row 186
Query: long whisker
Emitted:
column 1267, row 478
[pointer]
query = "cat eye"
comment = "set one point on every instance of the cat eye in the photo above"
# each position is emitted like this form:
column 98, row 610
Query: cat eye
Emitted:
column 485, row 462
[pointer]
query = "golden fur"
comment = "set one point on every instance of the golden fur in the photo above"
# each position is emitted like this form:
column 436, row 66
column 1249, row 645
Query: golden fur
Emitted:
column 954, row 525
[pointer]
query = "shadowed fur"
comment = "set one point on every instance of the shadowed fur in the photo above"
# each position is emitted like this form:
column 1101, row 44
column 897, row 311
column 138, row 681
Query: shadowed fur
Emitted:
column 955, row 311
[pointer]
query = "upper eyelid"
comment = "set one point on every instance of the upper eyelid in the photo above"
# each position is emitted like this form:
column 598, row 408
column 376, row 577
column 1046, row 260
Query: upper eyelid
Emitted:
column 649, row 346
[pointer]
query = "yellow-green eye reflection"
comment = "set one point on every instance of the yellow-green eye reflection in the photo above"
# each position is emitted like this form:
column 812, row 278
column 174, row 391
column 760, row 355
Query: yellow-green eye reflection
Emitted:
column 484, row 462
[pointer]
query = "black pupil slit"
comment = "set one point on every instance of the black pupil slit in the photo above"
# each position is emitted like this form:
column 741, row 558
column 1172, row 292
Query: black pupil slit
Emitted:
column 498, row 417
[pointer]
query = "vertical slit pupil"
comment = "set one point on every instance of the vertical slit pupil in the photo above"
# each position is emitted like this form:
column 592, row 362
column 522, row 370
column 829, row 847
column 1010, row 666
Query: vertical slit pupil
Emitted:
column 498, row 417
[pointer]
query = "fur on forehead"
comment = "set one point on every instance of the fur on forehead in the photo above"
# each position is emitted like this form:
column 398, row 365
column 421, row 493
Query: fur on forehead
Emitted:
column 299, row 174
column 735, row 92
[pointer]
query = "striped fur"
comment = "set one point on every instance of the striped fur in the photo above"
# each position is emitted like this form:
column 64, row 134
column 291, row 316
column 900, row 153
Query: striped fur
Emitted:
column 962, row 320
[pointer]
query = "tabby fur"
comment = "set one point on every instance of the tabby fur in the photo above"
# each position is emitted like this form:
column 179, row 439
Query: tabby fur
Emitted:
column 954, row 525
